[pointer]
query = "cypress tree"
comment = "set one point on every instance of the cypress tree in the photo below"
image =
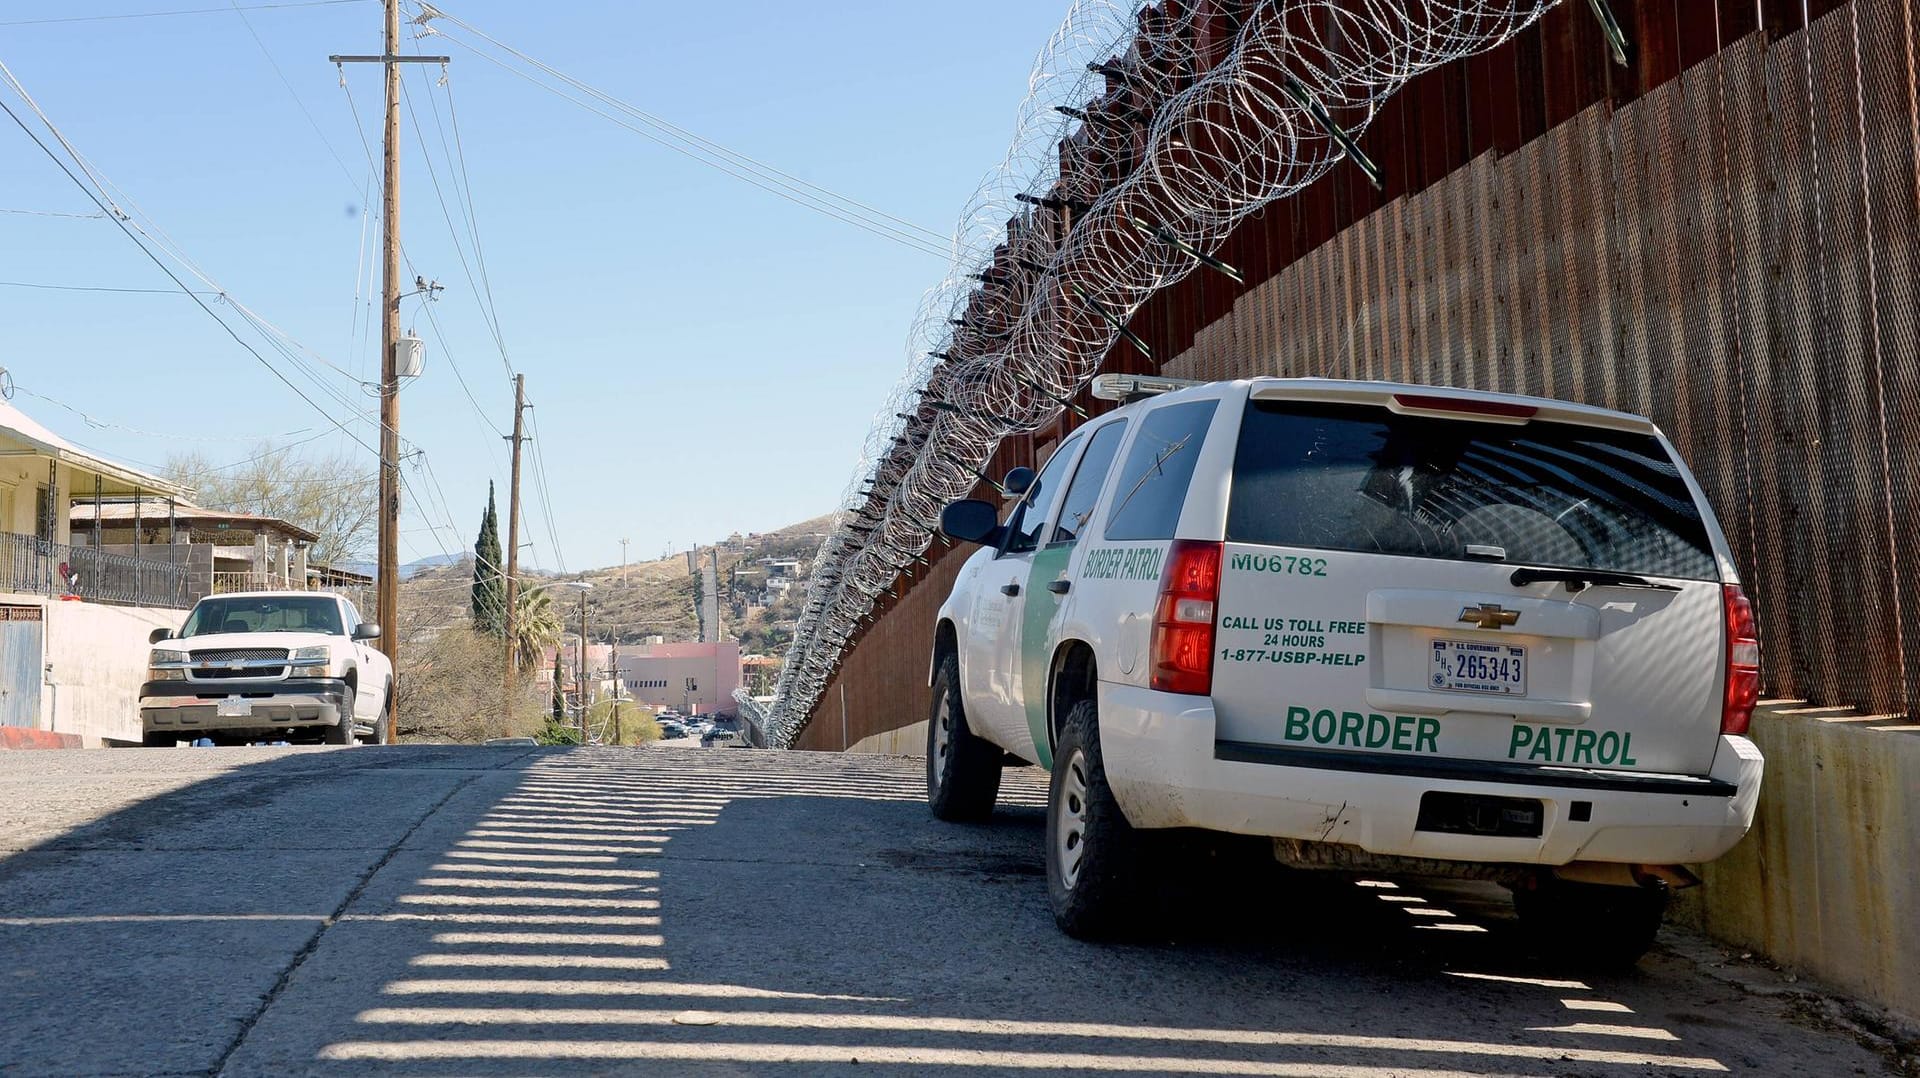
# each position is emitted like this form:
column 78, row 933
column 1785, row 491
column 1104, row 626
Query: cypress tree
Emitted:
column 489, row 589
column 559, row 697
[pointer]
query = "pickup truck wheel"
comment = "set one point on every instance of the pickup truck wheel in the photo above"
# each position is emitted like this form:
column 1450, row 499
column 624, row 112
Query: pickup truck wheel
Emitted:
column 1591, row 925
column 380, row 721
column 159, row 740
column 1092, row 852
column 341, row 733
column 963, row 771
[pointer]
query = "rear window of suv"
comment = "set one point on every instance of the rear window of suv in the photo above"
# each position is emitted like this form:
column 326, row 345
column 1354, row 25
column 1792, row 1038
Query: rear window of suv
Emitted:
column 1362, row 478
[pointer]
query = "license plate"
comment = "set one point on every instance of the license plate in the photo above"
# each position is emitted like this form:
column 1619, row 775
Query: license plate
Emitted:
column 233, row 707
column 1477, row 666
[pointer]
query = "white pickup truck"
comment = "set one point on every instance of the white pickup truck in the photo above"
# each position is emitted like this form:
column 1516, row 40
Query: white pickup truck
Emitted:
column 269, row 664
column 1387, row 627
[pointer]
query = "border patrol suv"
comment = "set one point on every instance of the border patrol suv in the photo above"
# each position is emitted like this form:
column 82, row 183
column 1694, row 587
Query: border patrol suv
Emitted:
column 1390, row 627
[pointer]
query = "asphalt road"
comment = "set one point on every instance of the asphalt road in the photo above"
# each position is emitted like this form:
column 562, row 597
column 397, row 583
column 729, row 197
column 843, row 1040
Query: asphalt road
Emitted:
column 433, row 911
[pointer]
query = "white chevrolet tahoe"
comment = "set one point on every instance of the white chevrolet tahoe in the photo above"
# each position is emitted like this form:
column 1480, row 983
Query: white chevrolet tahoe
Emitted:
column 1389, row 627
column 252, row 665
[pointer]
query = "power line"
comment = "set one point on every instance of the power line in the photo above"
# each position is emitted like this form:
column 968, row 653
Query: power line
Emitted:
column 546, row 497
column 463, row 197
column 237, row 9
column 100, row 288
column 447, row 213
column 473, row 220
column 55, row 213
column 432, row 319
column 102, row 194
column 777, row 175
column 164, row 268
column 173, row 14
column 799, row 192
column 102, row 424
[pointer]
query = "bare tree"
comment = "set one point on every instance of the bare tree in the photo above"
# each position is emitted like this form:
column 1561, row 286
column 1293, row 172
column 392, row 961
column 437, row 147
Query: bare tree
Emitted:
column 335, row 497
column 448, row 686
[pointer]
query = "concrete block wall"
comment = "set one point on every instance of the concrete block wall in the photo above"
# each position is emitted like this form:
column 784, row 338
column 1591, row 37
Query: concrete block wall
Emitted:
column 1828, row 881
column 95, row 660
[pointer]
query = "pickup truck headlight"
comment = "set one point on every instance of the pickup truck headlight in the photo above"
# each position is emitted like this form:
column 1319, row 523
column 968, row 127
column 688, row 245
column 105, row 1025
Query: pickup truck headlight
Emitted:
column 311, row 662
column 163, row 655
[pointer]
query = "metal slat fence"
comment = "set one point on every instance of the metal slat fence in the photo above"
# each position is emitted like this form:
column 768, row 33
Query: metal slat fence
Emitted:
column 1733, row 253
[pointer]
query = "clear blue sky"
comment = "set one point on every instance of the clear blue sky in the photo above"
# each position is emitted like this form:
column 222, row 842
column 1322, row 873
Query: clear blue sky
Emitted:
column 704, row 357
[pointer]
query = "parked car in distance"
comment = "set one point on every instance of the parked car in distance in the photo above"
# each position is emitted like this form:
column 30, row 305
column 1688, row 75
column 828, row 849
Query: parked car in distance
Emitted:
column 718, row 736
column 1390, row 628
column 252, row 665
column 670, row 729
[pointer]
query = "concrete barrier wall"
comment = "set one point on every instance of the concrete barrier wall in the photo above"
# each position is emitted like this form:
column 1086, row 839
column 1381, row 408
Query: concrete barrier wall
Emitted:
column 1828, row 881
column 905, row 741
column 96, row 658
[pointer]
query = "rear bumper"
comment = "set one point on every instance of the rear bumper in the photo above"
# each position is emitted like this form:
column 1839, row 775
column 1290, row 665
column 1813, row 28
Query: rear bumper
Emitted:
column 194, row 705
column 1166, row 770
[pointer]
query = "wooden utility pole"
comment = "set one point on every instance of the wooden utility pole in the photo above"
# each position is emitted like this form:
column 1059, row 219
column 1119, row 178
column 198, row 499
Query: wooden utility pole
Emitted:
column 513, row 547
column 388, row 571
column 583, row 666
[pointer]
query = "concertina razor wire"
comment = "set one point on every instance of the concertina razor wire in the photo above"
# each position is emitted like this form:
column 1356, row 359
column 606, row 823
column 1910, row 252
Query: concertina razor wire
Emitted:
column 1052, row 255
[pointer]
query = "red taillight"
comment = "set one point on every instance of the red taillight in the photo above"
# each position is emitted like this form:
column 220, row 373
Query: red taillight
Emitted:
column 1743, row 662
column 1183, row 618
column 1464, row 406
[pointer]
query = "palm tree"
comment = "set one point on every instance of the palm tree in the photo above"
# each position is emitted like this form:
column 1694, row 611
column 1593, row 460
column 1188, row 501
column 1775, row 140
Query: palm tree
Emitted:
column 536, row 624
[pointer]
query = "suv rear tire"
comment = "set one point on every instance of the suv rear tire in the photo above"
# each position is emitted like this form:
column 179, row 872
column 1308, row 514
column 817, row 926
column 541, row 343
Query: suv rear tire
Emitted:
column 1092, row 851
column 1591, row 925
column 963, row 771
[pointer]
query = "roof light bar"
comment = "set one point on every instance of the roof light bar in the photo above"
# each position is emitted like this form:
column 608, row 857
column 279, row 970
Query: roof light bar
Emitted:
column 1132, row 387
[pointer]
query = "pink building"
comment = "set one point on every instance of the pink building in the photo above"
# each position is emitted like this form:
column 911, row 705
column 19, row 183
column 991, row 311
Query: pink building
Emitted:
column 692, row 678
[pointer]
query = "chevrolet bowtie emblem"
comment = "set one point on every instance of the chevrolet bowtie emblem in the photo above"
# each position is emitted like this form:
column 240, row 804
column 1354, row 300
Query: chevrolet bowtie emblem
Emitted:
column 1488, row 615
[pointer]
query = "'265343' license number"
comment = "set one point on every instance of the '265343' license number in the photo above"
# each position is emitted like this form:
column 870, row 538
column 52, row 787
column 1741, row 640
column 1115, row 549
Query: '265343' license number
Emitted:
column 1479, row 667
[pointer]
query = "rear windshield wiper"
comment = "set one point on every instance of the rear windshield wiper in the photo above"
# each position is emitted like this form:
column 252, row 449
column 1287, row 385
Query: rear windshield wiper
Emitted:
column 1578, row 579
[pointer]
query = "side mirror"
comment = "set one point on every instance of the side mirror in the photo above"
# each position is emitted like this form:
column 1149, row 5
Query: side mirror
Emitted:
column 972, row 521
column 158, row 635
column 1018, row 481
column 366, row 630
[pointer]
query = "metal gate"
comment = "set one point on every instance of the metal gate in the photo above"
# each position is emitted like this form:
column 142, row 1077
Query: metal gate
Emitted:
column 22, row 640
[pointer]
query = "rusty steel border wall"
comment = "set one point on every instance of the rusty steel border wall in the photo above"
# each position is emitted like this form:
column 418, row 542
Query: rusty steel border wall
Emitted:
column 1723, row 236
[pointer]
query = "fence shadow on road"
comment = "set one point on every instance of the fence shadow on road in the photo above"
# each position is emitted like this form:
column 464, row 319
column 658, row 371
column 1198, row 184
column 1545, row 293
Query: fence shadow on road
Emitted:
column 787, row 913
column 733, row 911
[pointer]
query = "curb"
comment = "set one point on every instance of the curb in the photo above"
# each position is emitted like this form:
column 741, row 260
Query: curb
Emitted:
column 19, row 737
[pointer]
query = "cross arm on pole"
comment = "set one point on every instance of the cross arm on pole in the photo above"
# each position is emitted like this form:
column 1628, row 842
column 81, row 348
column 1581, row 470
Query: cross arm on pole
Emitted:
column 389, row 58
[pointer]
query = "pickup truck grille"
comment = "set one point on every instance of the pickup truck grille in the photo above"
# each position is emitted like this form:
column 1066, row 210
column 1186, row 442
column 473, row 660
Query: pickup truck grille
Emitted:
column 254, row 662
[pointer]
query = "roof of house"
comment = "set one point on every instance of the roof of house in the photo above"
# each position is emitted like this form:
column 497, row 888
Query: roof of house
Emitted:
column 333, row 574
column 17, row 426
column 154, row 513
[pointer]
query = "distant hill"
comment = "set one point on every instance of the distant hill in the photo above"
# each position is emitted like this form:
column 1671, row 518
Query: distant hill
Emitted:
column 411, row 569
column 652, row 598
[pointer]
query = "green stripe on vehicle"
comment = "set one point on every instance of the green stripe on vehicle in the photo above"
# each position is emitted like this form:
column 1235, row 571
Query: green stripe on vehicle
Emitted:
column 1036, row 639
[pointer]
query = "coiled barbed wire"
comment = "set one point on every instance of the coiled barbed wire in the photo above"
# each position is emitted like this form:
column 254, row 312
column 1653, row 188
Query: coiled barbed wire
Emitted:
column 1127, row 157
